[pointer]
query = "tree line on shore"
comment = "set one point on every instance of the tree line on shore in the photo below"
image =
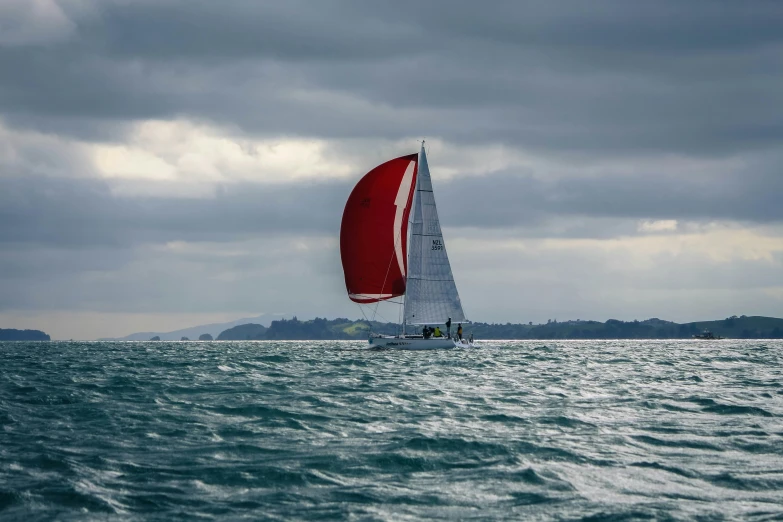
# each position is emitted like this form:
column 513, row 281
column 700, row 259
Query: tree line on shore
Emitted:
column 743, row 327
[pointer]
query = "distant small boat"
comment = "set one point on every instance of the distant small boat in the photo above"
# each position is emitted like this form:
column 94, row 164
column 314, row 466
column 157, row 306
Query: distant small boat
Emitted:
column 706, row 334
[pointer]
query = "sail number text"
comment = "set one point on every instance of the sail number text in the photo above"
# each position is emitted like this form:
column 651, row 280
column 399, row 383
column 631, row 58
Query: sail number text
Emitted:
column 437, row 244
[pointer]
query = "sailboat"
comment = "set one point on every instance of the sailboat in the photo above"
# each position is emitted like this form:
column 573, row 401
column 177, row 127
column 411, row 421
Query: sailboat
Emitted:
column 386, row 254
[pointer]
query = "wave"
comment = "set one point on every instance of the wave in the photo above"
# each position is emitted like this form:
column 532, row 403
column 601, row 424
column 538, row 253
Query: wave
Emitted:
column 619, row 430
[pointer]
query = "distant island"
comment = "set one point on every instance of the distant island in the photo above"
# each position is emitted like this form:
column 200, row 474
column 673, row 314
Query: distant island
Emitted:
column 742, row 327
column 211, row 330
column 243, row 332
column 10, row 334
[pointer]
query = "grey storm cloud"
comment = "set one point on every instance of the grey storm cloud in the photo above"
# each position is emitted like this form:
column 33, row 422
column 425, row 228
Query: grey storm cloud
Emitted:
column 615, row 77
column 84, row 212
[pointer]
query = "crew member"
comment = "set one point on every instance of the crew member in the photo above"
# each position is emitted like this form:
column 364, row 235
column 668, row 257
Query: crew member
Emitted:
column 437, row 332
column 459, row 331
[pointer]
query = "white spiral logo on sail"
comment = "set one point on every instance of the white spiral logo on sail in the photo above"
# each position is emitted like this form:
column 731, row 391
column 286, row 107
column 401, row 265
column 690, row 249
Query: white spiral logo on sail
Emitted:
column 400, row 201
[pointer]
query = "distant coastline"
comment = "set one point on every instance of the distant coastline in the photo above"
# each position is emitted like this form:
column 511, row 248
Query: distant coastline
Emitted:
column 734, row 327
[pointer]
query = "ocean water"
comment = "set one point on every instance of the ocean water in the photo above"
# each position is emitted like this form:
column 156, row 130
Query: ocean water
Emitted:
column 535, row 430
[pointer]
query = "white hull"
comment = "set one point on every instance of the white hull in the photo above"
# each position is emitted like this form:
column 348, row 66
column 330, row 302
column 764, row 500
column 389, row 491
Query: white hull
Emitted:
column 416, row 343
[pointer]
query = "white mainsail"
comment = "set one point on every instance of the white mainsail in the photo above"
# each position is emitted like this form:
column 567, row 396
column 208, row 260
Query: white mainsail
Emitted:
column 431, row 295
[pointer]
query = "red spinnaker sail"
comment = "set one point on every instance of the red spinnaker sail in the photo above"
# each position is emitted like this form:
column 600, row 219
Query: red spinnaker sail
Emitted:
column 374, row 231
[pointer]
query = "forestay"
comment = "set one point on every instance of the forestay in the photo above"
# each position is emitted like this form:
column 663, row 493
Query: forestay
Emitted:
column 431, row 296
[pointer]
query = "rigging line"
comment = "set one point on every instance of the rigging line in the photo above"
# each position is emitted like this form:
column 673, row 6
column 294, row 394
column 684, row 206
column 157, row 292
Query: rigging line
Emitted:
column 369, row 321
column 362, row 311
column 378, row 302
column 393, row 256
column 382, row 317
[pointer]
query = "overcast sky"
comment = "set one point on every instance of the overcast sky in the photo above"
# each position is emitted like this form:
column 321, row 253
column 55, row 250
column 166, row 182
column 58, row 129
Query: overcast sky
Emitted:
column 170, row 163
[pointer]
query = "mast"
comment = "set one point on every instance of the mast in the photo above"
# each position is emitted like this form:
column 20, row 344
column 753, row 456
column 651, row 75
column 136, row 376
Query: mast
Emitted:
column 414, row 204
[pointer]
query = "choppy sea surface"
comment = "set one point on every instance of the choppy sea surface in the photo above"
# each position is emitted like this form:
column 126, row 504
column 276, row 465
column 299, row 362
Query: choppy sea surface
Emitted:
column 596, row 430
